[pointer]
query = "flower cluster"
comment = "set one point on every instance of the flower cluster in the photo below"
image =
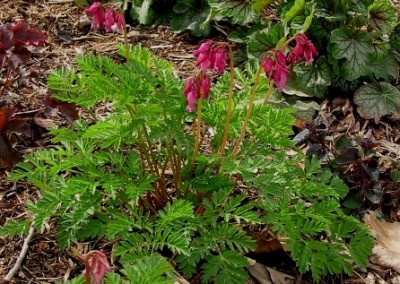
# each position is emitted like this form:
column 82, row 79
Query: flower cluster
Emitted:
column 276, row 64
column 210, row 56
column 109, row 20
column 197, row 87
column 97, row 265
column 304, row 48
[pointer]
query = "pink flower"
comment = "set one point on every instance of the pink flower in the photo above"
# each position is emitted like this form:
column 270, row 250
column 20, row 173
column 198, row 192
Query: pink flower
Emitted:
column 97, row 265
column 109, row 19
column 211, row 56
column 197, row 87
column 275, row 67
column 117, row 26
column 303, row 48
column 93, row 9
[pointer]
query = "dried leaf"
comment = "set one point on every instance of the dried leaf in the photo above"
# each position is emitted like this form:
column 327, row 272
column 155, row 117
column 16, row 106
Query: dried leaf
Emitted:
column 267, row 275
column 387, row 246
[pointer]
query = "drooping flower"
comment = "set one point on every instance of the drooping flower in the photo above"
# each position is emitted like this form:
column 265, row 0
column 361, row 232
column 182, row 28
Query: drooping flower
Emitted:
column 98, row 265
column 93, row 9
column 197, row 87
column 275, row 67
column 211, row 56
column 97, row 13
column 303, row 48
column 109, row 19
column 117, row 26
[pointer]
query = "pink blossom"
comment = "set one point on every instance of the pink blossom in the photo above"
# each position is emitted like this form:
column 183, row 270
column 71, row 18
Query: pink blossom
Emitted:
column 275, row 67
column 117, row 26
column 93, row 9
column 211, row 56
column 98, row 265
column 109, row 19
column 303, row 48
column 197, row 87
column 220, row 59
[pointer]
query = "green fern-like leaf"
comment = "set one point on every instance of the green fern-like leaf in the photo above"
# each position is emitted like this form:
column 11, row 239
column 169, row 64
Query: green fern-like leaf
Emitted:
column 14, row 228
column 149, row 270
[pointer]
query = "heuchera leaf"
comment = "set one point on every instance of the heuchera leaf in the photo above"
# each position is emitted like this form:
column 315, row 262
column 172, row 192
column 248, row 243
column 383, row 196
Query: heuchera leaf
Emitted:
column 355, row 48
column 382, row 16
column 13, row 41
column 237, row 11
column 377, row 100
column 263, row 40
column 385, row 68
column 314, row 78
column 191, row 16
column 19, row 55
column 27, row 35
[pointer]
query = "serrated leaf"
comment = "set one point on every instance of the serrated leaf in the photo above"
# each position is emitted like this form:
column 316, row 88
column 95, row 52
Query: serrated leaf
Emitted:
column 296, row 9
column 264, row 40
column 385, row 68
column 237, row 11
column 377, row 100
column 194, row 19
column 382, row 16
column 314, row 78
column 355, row 48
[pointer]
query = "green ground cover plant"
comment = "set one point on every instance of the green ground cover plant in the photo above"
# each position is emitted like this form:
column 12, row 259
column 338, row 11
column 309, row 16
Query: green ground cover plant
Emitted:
column 169, row 186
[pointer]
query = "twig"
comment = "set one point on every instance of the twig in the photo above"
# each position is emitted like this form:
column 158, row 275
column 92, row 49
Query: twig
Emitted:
column 21, row 256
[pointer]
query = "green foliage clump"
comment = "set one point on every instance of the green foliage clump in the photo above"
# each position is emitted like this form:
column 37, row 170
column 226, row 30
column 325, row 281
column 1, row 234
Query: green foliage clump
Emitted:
column 126, row 176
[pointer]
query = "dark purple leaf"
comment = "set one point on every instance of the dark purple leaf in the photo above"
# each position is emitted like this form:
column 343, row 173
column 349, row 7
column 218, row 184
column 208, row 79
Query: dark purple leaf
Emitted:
column 372, row 191
column 19, row 55
column 6, row 36
column 348, row 155
column 27, row 35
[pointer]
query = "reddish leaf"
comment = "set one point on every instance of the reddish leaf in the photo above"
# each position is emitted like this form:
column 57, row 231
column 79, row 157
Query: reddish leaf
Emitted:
column 3, row 55
column 5, row 114
column 8, row 156
column 6, row 36
column 27, row 35
column 19, row 55
column 68, row 110
column 19, row 126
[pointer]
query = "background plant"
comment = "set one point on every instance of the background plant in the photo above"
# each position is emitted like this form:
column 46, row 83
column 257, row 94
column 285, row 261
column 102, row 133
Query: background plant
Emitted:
column 122, row 177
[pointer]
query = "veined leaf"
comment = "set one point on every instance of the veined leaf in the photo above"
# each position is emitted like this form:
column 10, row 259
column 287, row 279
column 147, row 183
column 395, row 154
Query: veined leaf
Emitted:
column 355, row 48
column 263, row 40
column 314, row 78
column 237, row 11
column 377, row 100
column 382, row 16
